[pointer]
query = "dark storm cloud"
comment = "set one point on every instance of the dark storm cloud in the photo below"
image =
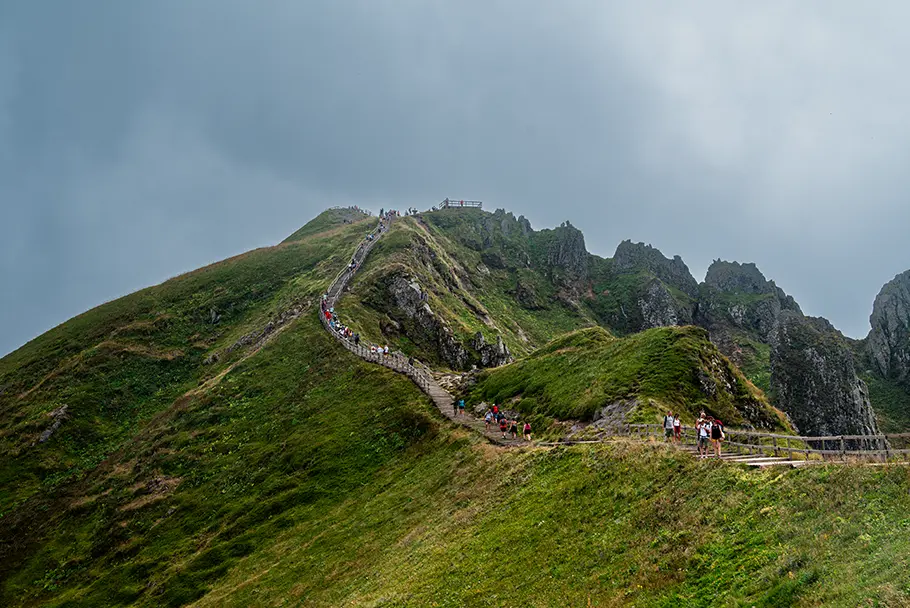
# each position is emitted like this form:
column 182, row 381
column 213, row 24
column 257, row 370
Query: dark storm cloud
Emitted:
column 141, row 140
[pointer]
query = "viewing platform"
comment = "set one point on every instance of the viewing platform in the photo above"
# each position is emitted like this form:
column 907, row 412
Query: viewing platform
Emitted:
column 460, row 204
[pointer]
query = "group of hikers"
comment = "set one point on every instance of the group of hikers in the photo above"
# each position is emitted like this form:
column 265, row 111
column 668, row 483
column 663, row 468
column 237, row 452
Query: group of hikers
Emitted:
column 507, row 427
column 707, row 429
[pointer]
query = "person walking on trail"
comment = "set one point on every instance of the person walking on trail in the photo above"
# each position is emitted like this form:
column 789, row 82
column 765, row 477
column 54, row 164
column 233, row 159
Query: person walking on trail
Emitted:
column 503, row 426
column 487, row 420
column 527, row 431
column 677, row 429
column 717, row 435
column 385, row 350
column 668, row 427
column 513, row 429
column 454, row 408
column 461, row 407
column 703, row 431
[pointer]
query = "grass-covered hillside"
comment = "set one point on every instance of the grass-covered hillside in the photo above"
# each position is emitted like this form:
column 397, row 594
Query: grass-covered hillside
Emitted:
column 219, row 449
column 117, row 366
column 636, row 378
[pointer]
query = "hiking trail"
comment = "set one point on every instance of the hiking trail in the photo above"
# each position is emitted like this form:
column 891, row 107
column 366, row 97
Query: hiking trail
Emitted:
column 423, row 377
column 396, row 361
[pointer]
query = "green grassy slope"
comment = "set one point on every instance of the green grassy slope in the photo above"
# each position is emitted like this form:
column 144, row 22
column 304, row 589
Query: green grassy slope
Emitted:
column 331, row 219
column 117, row 365
column 891, row 403
column 213, row 478
column 449, row 523
column 663, row 368
column 335, row 483
column 299, row 475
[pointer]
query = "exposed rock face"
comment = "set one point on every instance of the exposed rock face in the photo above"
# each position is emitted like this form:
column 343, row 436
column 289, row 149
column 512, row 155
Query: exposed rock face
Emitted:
column 889, row 341
column 491, row 355
column 660, row 309
column 814, row 379
column 631, row 256
column 567, row 250
column 421, row 323
column 738, row 296
column 412, row 315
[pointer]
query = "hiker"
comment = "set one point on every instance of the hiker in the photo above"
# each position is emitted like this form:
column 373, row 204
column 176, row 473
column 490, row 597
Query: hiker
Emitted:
column 513, row 429
column 677, row 428
column 668, row 427
column 385, row 350
column 717, row 435
column 703, row 430
column 454, row 408
column 503, row 426
column 487, row 419
column 372, row 349
column 461, row 407
column 527, row 431
column 411, row 361
column 495, row 409
column 356, row 338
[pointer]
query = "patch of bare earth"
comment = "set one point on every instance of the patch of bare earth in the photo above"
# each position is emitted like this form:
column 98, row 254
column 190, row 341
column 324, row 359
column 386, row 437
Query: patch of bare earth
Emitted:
column 151, row 491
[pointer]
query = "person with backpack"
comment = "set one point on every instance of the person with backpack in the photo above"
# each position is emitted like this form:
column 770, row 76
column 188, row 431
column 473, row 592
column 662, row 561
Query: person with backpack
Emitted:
column 503, row 426
column 487, row 420
column 513, row 429
column 461, row 407
column 677, row 429
column 717, row 435
column 527, row 431
column 668, row 427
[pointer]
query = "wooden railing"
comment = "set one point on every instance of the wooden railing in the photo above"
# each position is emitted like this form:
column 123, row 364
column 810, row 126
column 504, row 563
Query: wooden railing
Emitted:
column 395, row 361
column 845, row 448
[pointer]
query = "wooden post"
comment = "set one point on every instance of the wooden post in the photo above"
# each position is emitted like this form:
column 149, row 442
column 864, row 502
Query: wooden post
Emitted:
column 843, row 449
column 776, row 452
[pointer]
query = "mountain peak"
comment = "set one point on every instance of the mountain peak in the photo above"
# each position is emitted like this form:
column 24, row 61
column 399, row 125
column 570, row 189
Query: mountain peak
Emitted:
column 631, row 256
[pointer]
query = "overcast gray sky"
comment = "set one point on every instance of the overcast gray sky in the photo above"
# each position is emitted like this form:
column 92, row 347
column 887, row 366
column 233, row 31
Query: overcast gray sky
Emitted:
column 141, row 140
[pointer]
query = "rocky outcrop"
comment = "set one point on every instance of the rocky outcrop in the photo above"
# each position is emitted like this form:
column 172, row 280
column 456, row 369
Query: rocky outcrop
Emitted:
column 566, row 250
column 630, row 257
column 409, row 311
column 491, row 355
column 888, row 345
column 57, row 417
column 814, row 379
column 660, row 309
column 738, row 296
column 418, row 320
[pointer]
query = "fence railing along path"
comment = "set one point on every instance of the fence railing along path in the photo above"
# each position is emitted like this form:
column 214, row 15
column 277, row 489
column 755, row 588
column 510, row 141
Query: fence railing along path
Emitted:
column 396, row 361
column 766, row 449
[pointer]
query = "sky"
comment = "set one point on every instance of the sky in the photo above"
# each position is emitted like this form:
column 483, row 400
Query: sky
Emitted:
column 142, row 140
